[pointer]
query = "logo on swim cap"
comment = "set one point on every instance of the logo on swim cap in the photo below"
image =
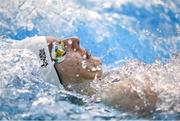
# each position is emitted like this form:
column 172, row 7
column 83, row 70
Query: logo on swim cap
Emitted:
column 43, row 58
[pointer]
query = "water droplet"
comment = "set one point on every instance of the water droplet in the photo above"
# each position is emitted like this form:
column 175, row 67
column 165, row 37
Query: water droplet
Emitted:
column 98, row 68
column 84, row 65
column 95, row 77
column 77, row 75
column 84, row 56
column 70, row 42
column 93, row 69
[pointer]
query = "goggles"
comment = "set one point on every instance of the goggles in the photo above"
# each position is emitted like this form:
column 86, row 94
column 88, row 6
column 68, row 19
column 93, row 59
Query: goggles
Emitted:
column 58, row 52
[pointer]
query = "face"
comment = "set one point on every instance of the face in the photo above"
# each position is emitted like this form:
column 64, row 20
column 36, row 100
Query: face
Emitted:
column 79, row 66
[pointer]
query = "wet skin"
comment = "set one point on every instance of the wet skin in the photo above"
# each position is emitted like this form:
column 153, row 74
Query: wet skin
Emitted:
column 80, row 68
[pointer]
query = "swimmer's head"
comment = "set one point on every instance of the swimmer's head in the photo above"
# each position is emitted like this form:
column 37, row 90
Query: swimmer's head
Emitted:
column 78, row 65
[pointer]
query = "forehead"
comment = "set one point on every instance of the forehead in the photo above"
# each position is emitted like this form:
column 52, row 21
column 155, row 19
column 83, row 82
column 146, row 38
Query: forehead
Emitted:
column 72, row 46
column 70, row 41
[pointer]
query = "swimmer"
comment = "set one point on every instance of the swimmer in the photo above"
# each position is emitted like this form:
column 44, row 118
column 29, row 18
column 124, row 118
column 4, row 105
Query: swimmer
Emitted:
column 64, row 62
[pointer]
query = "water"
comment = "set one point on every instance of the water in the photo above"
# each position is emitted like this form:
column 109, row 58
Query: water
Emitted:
column 141, row 37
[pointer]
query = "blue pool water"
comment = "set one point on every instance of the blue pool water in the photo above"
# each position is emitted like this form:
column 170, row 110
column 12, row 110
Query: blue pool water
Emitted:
column 114, row 30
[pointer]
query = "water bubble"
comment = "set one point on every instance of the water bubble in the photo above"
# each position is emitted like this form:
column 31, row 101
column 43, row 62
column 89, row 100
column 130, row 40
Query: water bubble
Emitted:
column 84, row 56
column 84, row 65
column 70, row 42
column 77, row 75
column 42, row 101
column 16, row 59
column 123, row 27
column 69, row 86
column 147, row 32
column 97, row 99
column 98, row 68
column 95, row 77
column 107, row 4
column 158, row 30
column 93, row 69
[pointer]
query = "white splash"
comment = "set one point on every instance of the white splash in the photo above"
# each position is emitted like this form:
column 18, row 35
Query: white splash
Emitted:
column 161, row 78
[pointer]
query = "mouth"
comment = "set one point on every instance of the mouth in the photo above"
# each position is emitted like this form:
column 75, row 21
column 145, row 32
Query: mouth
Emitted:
column 95, row 69
column 94, row 72
column 92, row 68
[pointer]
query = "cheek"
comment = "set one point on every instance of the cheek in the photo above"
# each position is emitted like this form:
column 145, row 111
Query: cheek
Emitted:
column 72, row 62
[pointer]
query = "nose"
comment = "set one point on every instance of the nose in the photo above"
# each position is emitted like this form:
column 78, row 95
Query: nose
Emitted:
column 97, row 61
